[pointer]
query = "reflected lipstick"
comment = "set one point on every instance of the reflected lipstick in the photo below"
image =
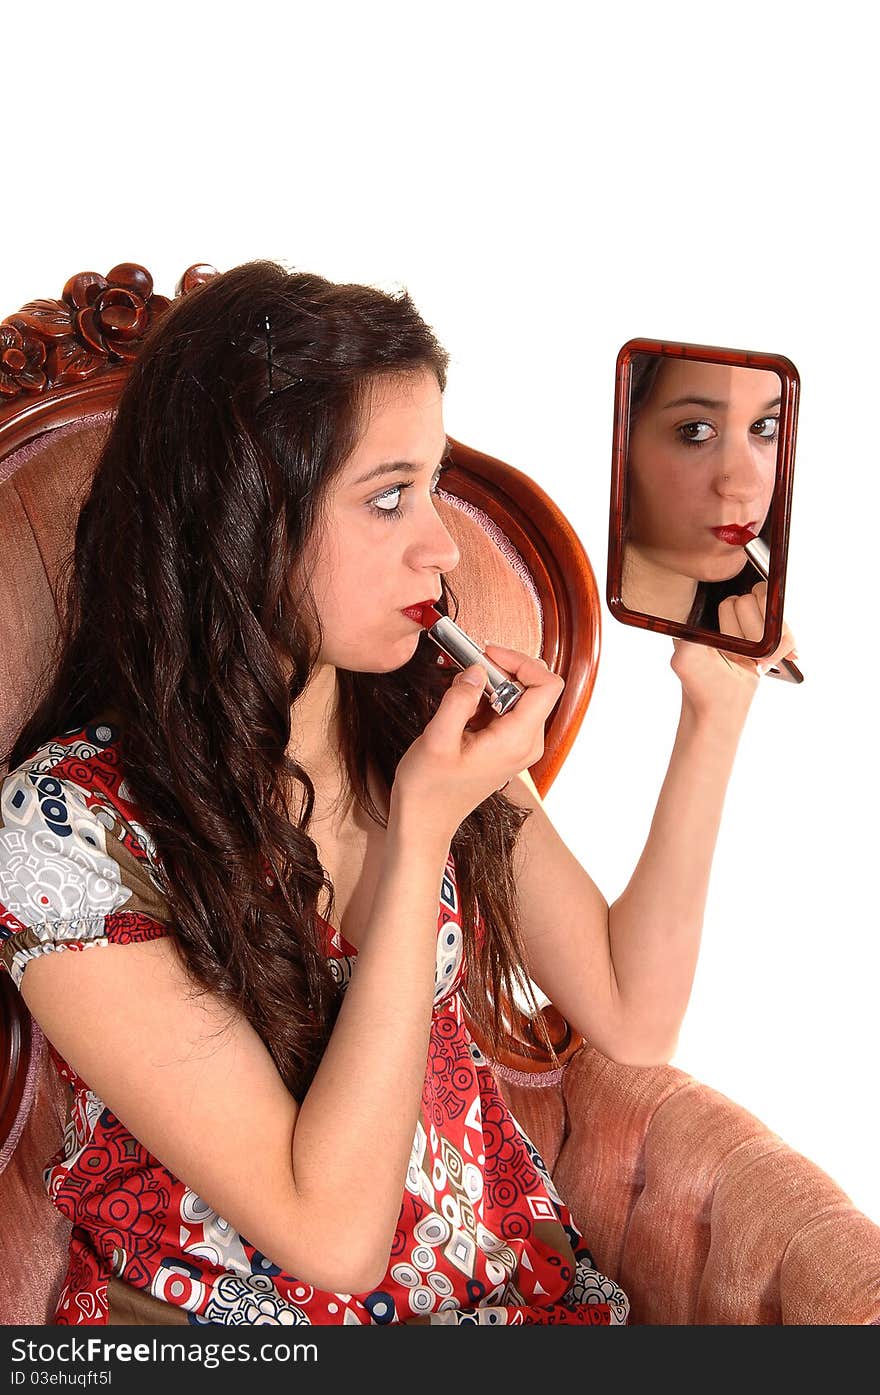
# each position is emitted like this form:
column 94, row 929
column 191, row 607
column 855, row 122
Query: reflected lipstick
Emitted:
column 501, row 691
column 758, row 554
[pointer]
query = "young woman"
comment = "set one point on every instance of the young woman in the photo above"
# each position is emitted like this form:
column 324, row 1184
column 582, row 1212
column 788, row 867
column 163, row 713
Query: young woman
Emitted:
column 701, row 461
column 272, row 826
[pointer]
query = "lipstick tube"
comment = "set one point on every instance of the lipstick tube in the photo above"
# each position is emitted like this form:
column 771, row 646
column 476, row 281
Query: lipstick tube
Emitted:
column 501, row 691
column 758, row 554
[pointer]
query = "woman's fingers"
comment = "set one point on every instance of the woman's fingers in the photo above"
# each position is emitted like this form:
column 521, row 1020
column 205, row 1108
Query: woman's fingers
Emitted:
column 532, row 674
column 744, row 616
column 523, row 723
column 458, row 704
column 529, row 671
column 784, row 650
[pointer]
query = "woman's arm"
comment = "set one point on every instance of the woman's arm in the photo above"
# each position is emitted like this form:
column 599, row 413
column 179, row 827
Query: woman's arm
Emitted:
column 622, row 975
column 655, row 925
column 316, row 1187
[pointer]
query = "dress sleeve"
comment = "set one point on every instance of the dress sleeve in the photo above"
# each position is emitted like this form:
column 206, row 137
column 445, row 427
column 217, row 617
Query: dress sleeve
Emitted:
column 73, row 872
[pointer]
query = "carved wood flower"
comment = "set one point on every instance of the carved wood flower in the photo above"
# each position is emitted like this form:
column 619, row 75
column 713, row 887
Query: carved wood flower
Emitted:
column 99, row 320
column 98, row 324
column 112, row 313
column 22, row 357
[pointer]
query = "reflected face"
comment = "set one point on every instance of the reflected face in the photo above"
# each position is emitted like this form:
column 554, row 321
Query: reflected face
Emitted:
column 384, row 546
column 702, row 456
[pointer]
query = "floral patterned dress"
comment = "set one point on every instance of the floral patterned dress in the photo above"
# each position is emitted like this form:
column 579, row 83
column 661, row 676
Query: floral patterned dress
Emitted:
column 482, row 1236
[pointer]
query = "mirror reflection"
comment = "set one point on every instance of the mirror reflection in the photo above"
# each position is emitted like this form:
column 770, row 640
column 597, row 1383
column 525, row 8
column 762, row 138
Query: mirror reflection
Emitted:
column 700, row 477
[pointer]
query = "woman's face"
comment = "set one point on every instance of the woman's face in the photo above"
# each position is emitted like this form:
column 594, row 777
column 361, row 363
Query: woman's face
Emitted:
column 702, row 455
column 384, row 546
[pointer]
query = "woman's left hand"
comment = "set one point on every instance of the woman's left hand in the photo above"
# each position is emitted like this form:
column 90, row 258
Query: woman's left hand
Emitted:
column 717, row 683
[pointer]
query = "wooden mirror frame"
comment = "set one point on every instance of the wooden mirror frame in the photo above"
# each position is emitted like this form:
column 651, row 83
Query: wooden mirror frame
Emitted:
column 780, row 503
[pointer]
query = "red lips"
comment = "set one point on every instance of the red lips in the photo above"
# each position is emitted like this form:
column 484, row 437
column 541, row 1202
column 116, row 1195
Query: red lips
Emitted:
column 734, row 535
column 424, row 613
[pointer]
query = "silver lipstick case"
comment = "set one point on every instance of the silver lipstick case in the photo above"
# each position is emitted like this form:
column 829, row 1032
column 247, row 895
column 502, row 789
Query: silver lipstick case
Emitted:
column 758, row 554
column 501, row 691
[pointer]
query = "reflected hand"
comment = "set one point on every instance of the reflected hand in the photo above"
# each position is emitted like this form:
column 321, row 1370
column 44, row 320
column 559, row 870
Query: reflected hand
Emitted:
column 715, row 681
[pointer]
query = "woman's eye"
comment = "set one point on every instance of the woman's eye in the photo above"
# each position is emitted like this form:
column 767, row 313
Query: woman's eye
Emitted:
column 696, row 433
column 766, row 427
column 396, row 491
column 394, row 510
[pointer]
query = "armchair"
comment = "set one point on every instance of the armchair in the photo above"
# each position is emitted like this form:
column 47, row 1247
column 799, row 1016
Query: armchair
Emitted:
column 700, row 1211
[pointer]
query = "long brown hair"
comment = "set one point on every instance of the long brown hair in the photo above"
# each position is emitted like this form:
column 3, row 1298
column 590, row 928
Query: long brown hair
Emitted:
column 182, row 617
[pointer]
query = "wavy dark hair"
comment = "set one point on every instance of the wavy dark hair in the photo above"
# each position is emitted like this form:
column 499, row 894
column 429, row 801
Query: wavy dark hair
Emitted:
column 709, row 594
column 181, row 616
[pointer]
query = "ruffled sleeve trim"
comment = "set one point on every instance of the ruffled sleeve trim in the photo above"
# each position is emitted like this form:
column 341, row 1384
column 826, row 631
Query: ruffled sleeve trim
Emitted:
column 85, row 932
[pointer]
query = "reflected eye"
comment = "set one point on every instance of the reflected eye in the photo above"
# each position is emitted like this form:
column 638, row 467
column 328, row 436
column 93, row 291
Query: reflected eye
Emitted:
column 766, row 427
column 695, row 433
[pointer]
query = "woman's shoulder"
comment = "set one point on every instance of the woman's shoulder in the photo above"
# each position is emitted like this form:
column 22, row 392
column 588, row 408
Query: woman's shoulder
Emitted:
column 76, row 865
column 79, row 771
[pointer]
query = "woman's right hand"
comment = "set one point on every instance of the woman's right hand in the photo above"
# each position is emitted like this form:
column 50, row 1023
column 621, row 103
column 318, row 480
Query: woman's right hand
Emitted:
column 449, row 770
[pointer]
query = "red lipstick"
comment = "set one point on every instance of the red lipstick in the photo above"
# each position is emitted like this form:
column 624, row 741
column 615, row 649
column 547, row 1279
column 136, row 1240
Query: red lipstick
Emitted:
column 501, row 691
column 735, row 535
column 415, row 611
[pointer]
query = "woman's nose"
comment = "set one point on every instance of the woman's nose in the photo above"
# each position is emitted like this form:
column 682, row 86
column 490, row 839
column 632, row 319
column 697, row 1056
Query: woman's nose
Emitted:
column 436, row 546
column 740, row 473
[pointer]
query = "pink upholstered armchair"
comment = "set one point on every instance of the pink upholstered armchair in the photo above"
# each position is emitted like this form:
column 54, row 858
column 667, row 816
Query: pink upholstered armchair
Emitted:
column 701, row 1213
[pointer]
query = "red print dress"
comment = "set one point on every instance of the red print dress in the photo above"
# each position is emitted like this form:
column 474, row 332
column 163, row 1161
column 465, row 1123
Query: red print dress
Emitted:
column 482, row 1235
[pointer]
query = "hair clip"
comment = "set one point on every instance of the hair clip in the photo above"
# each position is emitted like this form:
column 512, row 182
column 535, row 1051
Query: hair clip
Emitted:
column 278, row 367
column 269, row 357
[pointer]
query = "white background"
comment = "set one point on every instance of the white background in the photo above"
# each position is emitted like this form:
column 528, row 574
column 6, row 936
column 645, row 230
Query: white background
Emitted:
column 549, row 181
